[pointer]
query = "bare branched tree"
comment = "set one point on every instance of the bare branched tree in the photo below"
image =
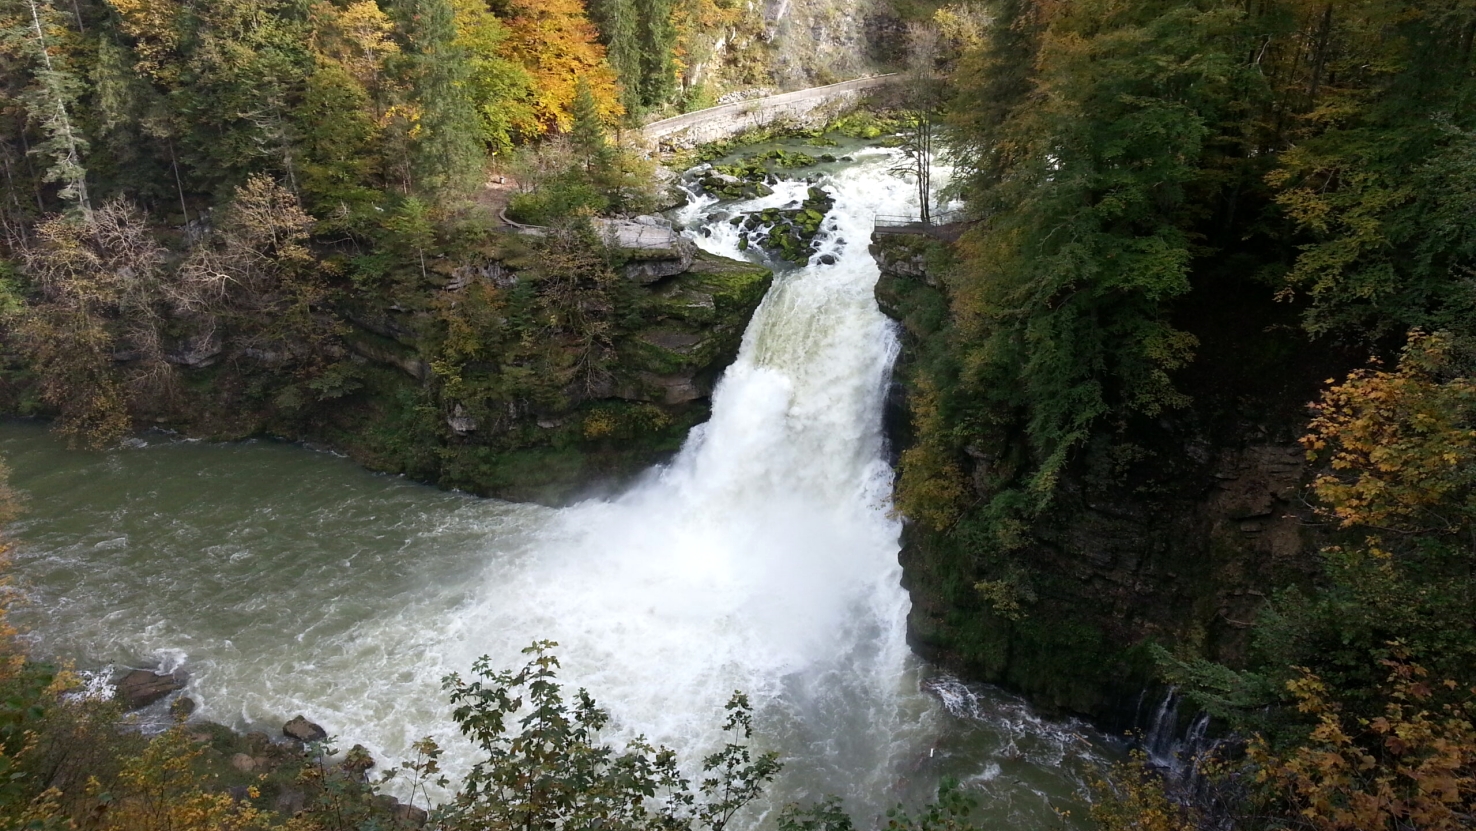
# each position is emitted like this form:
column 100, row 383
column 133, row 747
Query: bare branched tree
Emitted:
column 95, row 331
column 923, row 87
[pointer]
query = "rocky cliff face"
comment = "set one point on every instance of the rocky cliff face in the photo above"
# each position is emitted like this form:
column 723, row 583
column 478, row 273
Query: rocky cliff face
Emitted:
column 682, row 320
column 781, row 45
column 1181, row 551
column 500, row 370
column 823, row 41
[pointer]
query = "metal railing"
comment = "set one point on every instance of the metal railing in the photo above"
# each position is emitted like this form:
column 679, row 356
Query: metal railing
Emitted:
column 915, row 220
column 945, row 225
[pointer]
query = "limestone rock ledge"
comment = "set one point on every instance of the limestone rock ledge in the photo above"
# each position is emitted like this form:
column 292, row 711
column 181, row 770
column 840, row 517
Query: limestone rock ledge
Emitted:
column 681, row 320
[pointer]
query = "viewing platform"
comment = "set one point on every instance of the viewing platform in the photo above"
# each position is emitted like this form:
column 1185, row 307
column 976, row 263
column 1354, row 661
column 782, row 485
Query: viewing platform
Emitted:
column 944, row 225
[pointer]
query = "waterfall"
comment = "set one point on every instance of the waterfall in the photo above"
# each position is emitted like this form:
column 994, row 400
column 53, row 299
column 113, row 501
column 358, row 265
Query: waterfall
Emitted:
column 762, row 558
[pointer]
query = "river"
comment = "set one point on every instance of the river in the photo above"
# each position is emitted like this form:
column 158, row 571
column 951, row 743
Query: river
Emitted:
column 762, row 558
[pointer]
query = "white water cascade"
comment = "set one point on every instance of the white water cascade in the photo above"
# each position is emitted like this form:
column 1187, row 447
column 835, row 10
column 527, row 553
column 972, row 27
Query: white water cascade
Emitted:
column 763, row 558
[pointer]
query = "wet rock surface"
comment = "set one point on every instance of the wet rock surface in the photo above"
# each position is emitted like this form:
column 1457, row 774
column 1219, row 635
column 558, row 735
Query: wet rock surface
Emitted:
column 142, row 687
column 304, row 731
column 1179, row 548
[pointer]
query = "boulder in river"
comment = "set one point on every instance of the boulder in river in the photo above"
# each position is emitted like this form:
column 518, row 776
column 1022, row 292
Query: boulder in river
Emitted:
column 142, row 687
column 304, row 731
column 411, row 815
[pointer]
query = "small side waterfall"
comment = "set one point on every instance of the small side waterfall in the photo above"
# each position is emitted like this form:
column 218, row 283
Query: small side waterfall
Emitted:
column 1180, row 750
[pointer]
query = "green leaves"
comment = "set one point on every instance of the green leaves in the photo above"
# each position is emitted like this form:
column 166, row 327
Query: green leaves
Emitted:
column 554, row 773
column 1086, row 240
column 732, row 777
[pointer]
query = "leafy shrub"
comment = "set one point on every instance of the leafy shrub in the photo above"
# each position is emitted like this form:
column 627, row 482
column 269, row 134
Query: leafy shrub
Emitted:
column 554, row 773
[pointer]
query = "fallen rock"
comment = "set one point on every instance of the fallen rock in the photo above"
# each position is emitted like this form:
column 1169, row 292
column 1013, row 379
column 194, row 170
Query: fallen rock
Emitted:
column 258, row 742
column 304, row 731
column 412, row 815
column 406, row 814
column 243, row 762
column 143, row 687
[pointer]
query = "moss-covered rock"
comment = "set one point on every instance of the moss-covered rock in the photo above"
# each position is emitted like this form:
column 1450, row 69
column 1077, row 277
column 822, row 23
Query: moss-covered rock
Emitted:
column 477, row 375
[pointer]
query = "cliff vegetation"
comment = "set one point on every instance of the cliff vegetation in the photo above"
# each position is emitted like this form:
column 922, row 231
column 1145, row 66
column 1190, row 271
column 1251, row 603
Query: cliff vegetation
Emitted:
column 1187, row 222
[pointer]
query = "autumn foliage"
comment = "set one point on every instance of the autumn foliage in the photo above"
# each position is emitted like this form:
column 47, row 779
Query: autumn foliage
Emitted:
column 1401, row 444
column 1411, row 767
column 559, row 46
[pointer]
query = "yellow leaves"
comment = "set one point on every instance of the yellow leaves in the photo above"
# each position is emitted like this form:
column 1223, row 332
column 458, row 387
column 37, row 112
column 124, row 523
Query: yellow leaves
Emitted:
column 555, row 41
column 154, row 29
column 1133, row 798
column 1402, row 450
column 963, row 25
column 599, row 424
column 1413, row 767
column 357, row 37
column 159, row 790
column 931, row 488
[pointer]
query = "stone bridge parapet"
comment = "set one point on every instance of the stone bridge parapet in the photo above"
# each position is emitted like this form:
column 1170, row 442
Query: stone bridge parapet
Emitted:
column 804, row 109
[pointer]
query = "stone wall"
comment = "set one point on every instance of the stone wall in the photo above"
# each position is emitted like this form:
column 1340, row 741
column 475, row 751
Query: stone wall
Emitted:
column 805, row 109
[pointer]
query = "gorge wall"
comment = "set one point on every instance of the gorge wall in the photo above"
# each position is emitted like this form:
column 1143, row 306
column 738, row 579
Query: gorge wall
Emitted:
column 779, row 45
column 1178, row 550
column 528, row 368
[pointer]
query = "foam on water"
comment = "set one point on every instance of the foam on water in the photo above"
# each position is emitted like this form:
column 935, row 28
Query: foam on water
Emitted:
column 763, row 558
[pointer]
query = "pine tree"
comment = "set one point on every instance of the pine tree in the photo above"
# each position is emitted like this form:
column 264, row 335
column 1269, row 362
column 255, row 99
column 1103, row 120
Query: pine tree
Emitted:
column 657, row 42
column 50, row 100
column 588, row 134
column 448, row 156
column 619, row 30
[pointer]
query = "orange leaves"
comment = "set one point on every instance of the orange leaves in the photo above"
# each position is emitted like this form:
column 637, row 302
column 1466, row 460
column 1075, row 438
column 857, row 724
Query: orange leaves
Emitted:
column 1401, row 444
column 1412, row 767
column 555, row 41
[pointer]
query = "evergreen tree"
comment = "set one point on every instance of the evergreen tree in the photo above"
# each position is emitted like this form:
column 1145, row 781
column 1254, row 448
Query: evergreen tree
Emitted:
column 657, row 42
column 231, row 73
column 448, row 156
column 588, row 134
column 619, row 30
column 640, row 40
column 33, row 28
